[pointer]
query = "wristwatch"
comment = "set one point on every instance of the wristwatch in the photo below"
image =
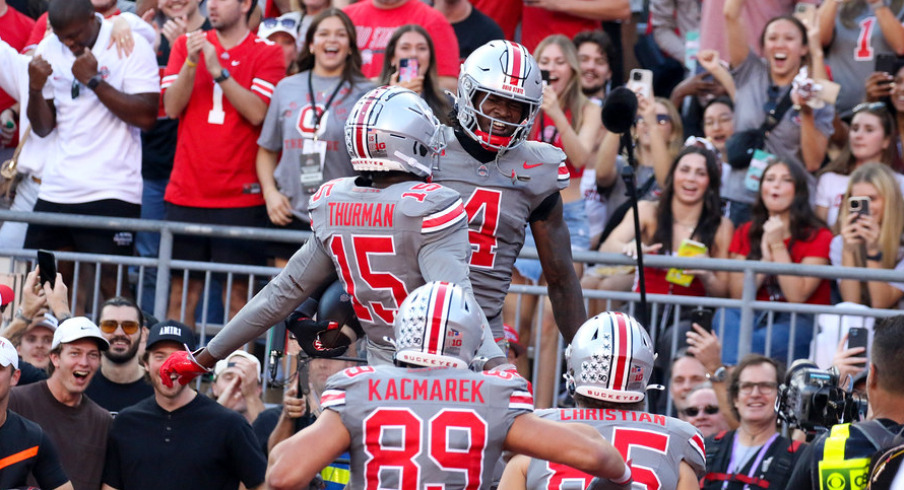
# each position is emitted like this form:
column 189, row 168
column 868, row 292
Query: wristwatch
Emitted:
column 719, row 376
column 94, row 81
column 877, row 257
column 224, row 75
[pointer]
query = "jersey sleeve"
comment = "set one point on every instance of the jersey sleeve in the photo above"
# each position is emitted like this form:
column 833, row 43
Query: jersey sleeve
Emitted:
column 695, row 453
column 309, row 268
column 178, row 54
column 269, row 71
column 12, row 67
column 334, row 395
column 271, row 130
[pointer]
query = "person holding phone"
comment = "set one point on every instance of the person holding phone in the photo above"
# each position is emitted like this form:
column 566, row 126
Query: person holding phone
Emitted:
column 784, row 230
column 871, row 236
column 410, row 62
column 871, row 139
column 854, row 33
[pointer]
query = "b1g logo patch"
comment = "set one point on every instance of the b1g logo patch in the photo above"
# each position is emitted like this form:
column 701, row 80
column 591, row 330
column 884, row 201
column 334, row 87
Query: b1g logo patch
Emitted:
column 375, row 147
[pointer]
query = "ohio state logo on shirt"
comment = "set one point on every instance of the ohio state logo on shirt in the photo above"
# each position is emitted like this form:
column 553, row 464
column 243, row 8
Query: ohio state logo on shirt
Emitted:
column 305, row 122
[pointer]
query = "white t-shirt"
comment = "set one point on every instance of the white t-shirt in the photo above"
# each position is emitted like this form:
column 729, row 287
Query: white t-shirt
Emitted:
column 14, row 81
column 835, row 249
column 97, row 155
column 830, row 191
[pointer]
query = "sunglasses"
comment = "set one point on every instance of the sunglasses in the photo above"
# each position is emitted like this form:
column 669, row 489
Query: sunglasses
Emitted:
column 75, row 89
column 694, row 411
column 271, row 22
column 661, row 119
column 870, row 106
column 128, row 326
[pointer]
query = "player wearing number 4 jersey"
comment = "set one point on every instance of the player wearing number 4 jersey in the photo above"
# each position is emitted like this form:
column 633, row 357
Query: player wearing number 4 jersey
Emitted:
column 408, row 427
column 382, row 237
column 508, row 183
column 609, row 364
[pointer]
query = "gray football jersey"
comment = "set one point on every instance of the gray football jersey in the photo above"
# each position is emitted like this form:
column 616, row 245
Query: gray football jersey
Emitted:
column 499, row 198
column 382, row 244
column 425, row 428
column 655, row 445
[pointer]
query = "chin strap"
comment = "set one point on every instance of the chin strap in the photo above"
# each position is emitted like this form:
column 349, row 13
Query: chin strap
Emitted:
column 492, row 139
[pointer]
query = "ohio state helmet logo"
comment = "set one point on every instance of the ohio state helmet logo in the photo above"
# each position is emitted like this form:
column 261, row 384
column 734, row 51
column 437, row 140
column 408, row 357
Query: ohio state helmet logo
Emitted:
column 305, row 122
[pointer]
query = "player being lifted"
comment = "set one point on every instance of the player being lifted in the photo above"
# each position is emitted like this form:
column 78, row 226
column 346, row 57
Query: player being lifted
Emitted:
column 609, row 365
column 414, row 428
column 382, row 234
column 508, row 183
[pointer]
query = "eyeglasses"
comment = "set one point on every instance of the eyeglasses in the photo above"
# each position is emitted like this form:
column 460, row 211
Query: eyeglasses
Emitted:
column 287, row 22
column 661, row 119
column 694, row 411
column 722, row 121
column 766, row 387
column 75, row 89
column 870, row 106
column 128, row 326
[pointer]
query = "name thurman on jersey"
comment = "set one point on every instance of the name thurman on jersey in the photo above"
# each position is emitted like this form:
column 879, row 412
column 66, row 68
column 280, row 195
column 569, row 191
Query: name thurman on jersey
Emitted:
column 376, row 215
column 437, row 390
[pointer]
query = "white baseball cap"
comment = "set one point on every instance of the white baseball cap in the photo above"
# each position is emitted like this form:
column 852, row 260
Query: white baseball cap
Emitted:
column 77, row 328
column 8, row 354
column 223, row 364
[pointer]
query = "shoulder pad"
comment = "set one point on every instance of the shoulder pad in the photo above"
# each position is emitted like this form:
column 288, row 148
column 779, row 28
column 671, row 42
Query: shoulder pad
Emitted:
column 423, row 199
column 325, row 191
column 543, row 152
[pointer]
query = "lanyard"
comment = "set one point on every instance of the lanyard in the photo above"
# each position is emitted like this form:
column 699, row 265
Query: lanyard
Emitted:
column 318, row 115
column 756, row 462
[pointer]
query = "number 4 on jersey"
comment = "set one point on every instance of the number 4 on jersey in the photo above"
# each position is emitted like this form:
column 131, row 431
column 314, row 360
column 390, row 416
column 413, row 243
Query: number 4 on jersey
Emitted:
column 483, row 222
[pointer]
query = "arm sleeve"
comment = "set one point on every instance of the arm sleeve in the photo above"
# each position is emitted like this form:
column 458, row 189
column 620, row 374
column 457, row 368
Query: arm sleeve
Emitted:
column 271, row 134
column 13, row 66
column 47, row 470
column 662, row 15
column 142, row 72
column 306, row 271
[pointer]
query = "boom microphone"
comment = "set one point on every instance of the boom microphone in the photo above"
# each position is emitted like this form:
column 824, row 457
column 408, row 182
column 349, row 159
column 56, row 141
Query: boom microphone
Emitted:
column 619, row 110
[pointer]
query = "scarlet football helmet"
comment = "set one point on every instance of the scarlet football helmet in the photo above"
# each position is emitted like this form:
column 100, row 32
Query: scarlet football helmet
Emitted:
column 438, row 325
column 505, row 69
column 393, row 128
column 610, row 358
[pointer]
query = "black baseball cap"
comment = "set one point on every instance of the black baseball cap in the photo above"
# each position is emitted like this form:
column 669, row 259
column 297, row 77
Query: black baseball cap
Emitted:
column 172, row 331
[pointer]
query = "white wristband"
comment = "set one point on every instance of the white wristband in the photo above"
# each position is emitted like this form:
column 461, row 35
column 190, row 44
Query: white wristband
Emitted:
column 625, row 478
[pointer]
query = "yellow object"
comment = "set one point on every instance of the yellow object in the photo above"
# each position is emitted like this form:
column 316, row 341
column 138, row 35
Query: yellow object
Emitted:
column 836, row 473
column 688, row 248
column 190, row 63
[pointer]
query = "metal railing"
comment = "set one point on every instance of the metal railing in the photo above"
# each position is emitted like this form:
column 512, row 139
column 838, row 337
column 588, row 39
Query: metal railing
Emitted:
column 165, row 264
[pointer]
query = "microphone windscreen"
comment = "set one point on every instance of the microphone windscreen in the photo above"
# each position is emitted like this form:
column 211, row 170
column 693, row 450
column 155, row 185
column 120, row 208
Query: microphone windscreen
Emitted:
column 619, row 110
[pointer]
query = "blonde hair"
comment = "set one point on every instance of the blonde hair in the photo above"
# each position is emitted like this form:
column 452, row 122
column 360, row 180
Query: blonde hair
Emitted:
column 891, row 228
column 572, row 98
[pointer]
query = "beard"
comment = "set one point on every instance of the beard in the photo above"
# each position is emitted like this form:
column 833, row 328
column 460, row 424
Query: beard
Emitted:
column 121, row 357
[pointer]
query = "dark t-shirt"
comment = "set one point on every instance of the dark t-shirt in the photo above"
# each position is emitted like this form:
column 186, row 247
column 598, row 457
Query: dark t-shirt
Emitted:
column 475, row 31
column 266, row 421
column 25, row 450
column 199, row 446
column 79, row 433
column 30, row 374
column 116, row 396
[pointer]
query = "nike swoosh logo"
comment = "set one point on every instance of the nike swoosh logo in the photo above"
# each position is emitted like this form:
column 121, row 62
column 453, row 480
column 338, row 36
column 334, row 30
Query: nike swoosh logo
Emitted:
column 235, row 63
column 531, row 165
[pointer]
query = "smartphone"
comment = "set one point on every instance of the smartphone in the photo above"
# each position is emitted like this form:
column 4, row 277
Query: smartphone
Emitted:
column 859, row 205
column 408, row 69
column 688, row 248
column 47, row 264
column 886, row 63
column 703, row 317
column 641, row 82
column 806, row 13
column 544, row 74
column 859, row 337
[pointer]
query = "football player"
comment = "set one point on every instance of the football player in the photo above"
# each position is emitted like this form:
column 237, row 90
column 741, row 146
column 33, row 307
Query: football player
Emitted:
column 429, row 422
column 382, row 234
column 508, row 182
column 609, row 365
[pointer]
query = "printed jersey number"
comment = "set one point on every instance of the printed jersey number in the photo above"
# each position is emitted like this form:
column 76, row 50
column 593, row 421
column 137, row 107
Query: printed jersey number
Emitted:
column 395, row 437
column 483, row 222
column 864, row 50
column 625, row 440
column 364, row 250
column 217, row 115
column 422, row 189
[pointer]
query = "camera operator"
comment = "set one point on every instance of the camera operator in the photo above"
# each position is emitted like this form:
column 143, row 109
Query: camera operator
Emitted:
column 845, row 451
column 755, row 455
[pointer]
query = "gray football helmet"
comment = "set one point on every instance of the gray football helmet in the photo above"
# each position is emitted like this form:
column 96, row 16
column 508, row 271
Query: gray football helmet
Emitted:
column 505, row 69
column 610, row 359
column 393, row 128
column 438, row 325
